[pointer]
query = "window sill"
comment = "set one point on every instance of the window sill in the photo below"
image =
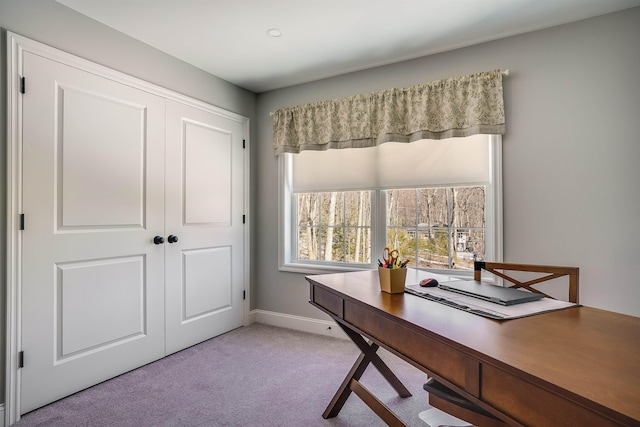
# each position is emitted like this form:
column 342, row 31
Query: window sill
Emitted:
column 304, row 268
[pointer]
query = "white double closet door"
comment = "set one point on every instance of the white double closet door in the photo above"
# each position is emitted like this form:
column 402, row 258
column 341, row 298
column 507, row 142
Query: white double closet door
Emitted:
column 108, row 168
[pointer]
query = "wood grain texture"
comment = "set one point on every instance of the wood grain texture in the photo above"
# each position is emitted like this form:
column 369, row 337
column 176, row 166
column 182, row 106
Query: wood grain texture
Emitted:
column 579, row 364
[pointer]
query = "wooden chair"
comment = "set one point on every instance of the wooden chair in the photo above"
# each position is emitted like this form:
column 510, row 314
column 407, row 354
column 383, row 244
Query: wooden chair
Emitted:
column 448, row 400
column 500, row 268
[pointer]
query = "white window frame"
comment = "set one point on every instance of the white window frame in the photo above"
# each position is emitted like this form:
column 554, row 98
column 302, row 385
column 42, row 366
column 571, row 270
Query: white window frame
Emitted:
column 287, row 219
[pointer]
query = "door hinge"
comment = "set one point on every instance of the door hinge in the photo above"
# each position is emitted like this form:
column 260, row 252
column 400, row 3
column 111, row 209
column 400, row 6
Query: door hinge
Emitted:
column 21, row 221
column 23, row 85
column 243, row 143
column 244, row 294
column 244, row 219
column 21, row 359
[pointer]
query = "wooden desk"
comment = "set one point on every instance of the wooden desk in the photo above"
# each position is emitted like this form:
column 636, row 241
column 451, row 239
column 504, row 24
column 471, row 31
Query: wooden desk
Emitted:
column 574, row 367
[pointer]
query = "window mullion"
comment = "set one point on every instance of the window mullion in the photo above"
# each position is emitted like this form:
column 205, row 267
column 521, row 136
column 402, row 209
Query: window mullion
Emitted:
column 344, row 228
column 379, row 223
column 450, row 200
column 417, row 226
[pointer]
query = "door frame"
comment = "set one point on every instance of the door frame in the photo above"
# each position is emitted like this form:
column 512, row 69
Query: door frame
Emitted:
column 16, row 46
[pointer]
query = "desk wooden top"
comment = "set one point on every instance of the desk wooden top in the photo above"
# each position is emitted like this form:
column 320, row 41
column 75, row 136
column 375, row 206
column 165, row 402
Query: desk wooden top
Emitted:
column 591, row 353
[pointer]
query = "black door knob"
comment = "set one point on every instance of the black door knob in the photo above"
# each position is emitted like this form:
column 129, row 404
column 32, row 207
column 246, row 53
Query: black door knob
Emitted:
column 172, row 238
column 158, row 240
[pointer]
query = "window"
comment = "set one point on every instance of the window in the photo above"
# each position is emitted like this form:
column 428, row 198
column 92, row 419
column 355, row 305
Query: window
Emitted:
column 334, row 227
column 437, row 202
column 438, row 228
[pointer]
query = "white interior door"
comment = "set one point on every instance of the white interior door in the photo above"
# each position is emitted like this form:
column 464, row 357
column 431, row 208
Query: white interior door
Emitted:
column 93, row 198
column 204, row 210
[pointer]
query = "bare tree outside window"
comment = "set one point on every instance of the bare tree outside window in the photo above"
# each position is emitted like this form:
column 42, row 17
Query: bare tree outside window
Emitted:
column 335, row 226
column 441, row 228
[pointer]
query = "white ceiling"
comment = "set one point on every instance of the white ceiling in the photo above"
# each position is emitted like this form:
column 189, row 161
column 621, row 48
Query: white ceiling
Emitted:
column 324, row 38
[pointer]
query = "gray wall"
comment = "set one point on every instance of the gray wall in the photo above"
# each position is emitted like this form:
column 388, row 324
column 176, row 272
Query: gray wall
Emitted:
column 55, row 25
column 570, row 154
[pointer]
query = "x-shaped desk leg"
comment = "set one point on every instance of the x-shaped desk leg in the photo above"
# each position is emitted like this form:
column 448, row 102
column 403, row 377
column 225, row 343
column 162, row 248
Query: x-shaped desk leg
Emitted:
column 351, row 382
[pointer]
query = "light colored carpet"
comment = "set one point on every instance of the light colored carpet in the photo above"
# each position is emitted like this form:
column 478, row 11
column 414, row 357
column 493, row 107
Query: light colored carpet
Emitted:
column 257, row 375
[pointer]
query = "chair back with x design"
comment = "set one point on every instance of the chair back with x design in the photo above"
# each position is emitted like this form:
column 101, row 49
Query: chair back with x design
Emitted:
column 500, row 269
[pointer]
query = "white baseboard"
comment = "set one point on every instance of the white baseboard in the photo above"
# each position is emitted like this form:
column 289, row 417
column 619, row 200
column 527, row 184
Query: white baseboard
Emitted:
column 305, row 324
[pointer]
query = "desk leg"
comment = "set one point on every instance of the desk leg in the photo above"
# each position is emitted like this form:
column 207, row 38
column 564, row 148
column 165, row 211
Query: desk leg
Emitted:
column 351, row 383
column 345, row 390
column 378, row 407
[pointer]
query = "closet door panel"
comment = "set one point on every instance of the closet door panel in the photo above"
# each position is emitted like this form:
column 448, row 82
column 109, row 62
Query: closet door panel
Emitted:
column 92, row 285
column 207, row 159
column 204, row 209
column 96, row 132
column 199, row 266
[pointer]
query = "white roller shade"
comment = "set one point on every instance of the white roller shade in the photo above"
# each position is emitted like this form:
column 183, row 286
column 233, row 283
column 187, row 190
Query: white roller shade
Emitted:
column 454, row 161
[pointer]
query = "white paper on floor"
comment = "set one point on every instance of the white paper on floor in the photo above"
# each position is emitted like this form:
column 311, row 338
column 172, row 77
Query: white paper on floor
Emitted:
column 435, row 418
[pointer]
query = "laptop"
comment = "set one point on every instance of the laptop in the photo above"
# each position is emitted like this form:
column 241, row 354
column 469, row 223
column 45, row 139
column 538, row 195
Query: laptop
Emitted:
column 492, row 293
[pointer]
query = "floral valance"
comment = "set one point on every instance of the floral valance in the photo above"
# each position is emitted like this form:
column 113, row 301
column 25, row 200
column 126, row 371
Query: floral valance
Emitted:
column 455, row 107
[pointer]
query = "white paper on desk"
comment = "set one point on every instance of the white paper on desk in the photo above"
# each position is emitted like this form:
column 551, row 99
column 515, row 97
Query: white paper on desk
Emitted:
column 492, row 309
